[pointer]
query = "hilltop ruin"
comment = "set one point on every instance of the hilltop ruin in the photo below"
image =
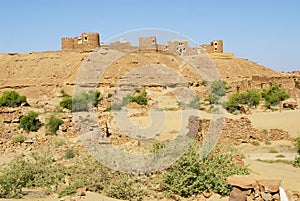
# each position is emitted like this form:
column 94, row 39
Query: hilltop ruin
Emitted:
column 90, row 41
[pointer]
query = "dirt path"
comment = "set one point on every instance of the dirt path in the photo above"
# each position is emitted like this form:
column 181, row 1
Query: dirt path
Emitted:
column 289, row 175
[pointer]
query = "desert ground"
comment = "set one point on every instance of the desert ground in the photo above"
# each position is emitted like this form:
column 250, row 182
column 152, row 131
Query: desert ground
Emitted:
column 41, row 77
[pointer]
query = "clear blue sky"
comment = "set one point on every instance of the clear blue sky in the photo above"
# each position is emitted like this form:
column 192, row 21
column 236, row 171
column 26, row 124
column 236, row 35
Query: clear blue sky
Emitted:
column 265, row 31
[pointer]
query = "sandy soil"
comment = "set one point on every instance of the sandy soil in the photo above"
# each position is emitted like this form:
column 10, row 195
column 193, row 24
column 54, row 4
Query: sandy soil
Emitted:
column 91, row 196
column 289, row 175
column 287, row 120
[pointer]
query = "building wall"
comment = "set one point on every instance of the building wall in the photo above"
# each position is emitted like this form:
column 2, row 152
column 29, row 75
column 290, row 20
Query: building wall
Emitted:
column 181, row 47
column 148, row 43
column 123, row 45
column 214, row 46
column 85, row 42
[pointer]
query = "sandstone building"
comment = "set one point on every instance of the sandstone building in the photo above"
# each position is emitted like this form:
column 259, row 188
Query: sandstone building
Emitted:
column 90, row 41
column 85, row 42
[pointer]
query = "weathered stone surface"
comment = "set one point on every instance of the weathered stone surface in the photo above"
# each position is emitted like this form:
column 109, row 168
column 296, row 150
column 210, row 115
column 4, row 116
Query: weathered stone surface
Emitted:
column 276, row 196
column 237, row 195
column 242, row 181
column 266, row 196
column 268, row 185
column 241, row 130
column 207, row 194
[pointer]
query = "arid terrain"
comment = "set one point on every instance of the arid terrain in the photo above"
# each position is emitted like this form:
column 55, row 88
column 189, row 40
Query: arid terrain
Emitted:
column 264, row 137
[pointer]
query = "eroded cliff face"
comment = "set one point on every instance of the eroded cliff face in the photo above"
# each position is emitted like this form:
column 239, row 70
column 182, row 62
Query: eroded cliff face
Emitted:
column 41, row 75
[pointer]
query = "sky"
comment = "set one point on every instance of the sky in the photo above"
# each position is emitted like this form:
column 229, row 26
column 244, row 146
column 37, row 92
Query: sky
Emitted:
column 263, row 31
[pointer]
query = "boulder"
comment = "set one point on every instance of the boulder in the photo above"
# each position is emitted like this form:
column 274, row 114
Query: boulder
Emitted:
column 242, row 181
column 237, row 195
column 290, row 105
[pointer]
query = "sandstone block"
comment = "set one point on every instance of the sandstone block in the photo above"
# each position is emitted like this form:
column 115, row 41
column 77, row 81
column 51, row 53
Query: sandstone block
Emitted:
column 242, row 181
column 269, row 185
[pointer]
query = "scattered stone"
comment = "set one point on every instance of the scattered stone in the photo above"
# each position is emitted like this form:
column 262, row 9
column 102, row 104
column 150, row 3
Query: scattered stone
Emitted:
column 276, row 196
column 175, row 197
column 266, row 196
column 268, row 185
column 207, row 194
column 237, row 195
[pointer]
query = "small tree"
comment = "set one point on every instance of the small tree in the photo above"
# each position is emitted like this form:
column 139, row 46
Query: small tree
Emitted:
column 251, row 98
column 273, row 95
column 30, row 122
column 218, row 87
column 11, row 99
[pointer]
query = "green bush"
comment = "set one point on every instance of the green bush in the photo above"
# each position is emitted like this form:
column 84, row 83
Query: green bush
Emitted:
column 251, row 98
column 53, row 124
column 90, row 173
column 80, row 102
column 70, row 154
column 255, row 143
column 69, row 190
column 218, row 87
column 140, row 99
column 66, row 102
column 11, row 99
column 273, row 95
column 30, row 122
column 297, row 161
column 195, row 103
column 19, row 138
column 297, row 143
column 125, row 188
column 40, row 171
column 213, row 98
column 157, row 146
column 190, row 175
column 118, row 107
column 297, row 158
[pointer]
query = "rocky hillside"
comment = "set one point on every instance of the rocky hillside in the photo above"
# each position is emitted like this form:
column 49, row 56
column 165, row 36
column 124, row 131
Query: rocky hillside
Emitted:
column 41, row 75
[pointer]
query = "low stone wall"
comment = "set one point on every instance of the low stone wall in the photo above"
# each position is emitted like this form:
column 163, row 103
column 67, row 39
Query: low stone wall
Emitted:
column 246, row 188
column 238, row 131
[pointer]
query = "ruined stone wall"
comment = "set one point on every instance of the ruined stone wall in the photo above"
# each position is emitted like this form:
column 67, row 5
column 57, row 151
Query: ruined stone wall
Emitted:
column 123, row 46
column 262, row 82
column 85, row 42
column 181, row 47
column 246, row 187
column 239, row 131
column 214, row 46
column 67, row 43
column 148, row 43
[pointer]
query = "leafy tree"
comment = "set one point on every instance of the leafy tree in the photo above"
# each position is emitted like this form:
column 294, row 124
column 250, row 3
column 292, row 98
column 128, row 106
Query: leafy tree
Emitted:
column 11, row 99
column 274, row 94
column 251, row 98
column 30, row 122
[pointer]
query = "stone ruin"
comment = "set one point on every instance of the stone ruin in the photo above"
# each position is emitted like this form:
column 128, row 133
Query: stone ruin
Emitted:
column 247, row 188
